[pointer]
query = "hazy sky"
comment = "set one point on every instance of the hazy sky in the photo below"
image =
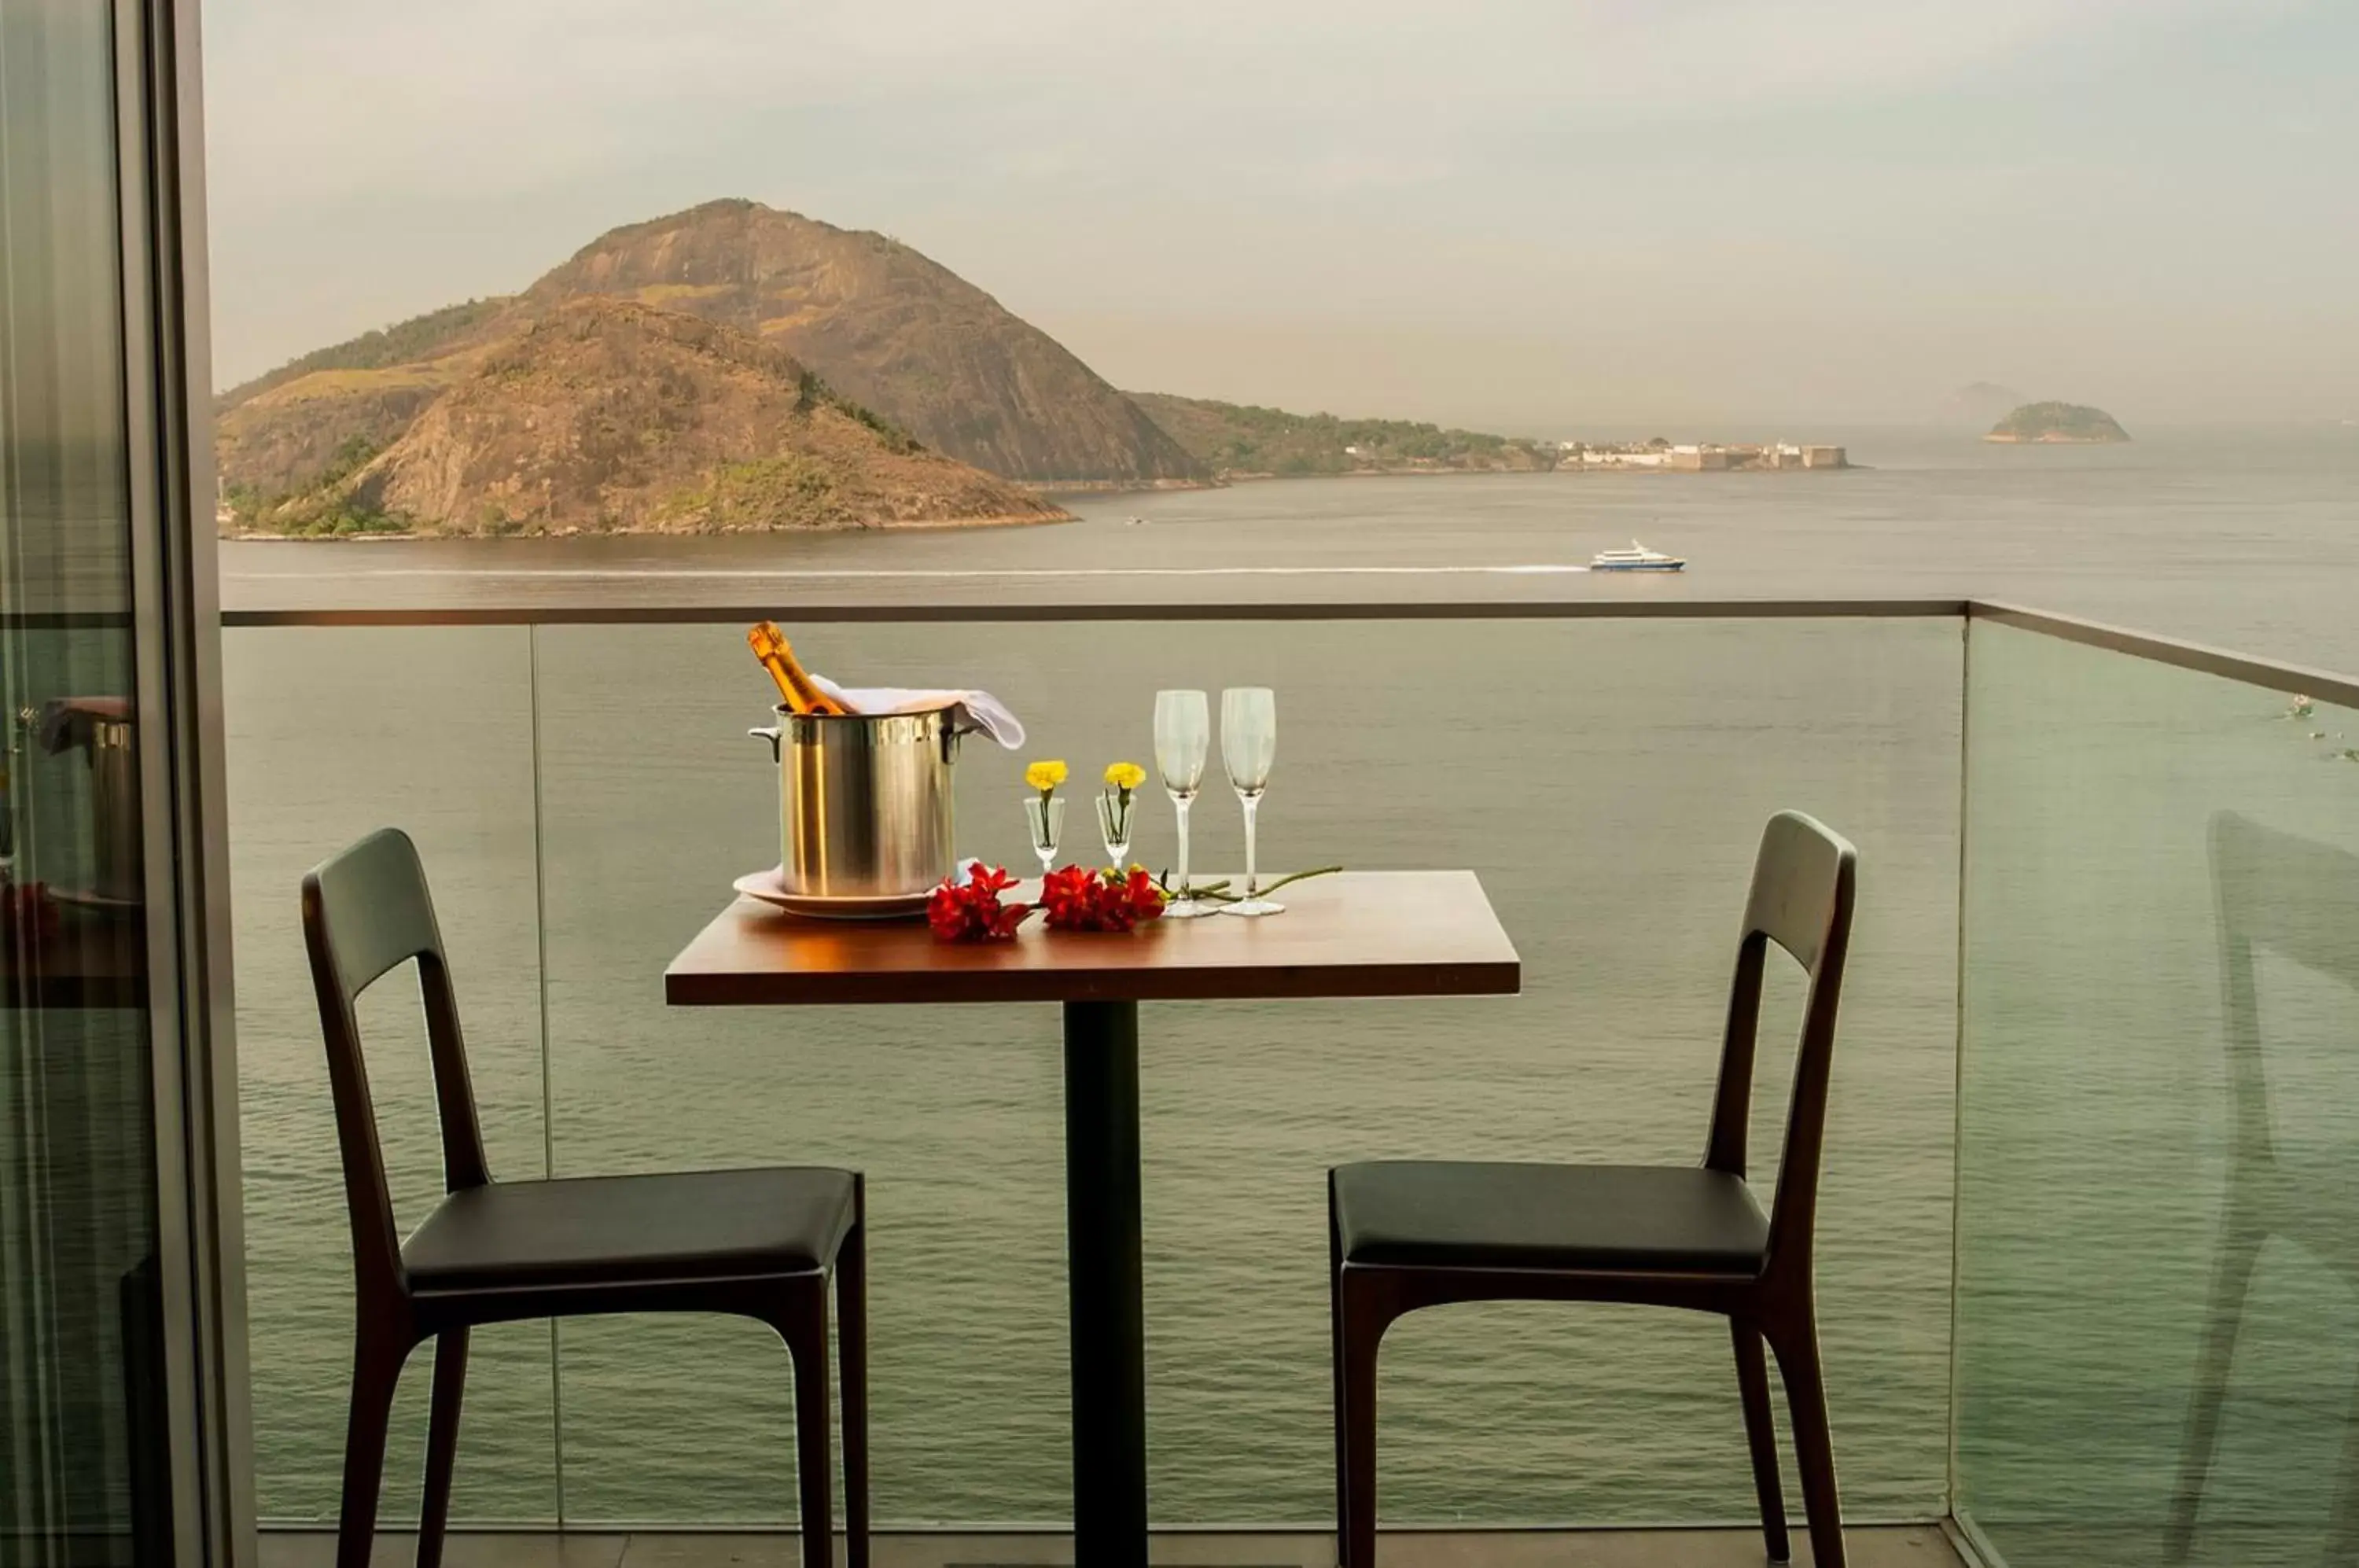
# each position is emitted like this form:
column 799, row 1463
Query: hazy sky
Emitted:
column 1534, row 215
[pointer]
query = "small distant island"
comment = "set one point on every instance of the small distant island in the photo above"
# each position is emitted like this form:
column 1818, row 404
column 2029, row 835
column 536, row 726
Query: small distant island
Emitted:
column 2058, row 424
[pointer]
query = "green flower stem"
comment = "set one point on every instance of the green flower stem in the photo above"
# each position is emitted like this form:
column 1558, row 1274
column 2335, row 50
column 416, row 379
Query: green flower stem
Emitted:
column 1213, row 890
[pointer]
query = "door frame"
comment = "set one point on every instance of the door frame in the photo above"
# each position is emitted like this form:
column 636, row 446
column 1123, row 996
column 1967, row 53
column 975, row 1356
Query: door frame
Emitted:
column 176, row 615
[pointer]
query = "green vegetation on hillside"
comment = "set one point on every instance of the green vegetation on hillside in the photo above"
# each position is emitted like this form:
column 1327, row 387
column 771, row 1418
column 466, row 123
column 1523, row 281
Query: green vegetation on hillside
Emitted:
column 817, row 393
column 789, row 491
column 403, row 342
column 333, row 512
column 325, row 508
column 2058, row 422
column 1239, row 439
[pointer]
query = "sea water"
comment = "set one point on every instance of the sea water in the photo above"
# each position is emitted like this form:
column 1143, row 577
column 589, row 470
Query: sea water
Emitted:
column 1606, row 780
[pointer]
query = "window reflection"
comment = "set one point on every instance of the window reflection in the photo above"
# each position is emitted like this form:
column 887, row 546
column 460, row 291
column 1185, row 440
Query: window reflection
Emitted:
column 82, row 1434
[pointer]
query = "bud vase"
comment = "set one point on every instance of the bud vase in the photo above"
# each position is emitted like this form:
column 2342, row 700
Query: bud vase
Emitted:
column 1045, row 815
column 1114, row 826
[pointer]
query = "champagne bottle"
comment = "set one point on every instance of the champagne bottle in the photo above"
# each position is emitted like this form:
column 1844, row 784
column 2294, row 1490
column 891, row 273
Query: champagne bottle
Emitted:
column 794, row 684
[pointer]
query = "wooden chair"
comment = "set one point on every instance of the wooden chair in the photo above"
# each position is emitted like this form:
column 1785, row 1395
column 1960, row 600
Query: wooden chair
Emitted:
column 2278, row 894
column 1407, row 1234
column 759, row 1244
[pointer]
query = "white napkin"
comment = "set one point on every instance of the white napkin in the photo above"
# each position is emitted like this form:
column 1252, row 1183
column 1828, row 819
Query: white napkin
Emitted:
column 977, row 712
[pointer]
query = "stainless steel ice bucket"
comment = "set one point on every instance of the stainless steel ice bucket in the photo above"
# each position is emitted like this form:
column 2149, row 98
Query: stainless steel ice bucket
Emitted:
column 101, row 728
column 863, row 803
column 114, row 808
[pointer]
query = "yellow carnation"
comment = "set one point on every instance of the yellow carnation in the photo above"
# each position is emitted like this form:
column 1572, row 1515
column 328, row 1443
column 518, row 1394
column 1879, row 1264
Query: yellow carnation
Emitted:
column 1045, row 776
column 1126, row 774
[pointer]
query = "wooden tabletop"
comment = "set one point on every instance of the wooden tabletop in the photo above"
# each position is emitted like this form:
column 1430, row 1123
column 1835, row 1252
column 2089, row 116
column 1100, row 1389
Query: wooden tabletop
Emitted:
column 1357, row 933
column 99, row 965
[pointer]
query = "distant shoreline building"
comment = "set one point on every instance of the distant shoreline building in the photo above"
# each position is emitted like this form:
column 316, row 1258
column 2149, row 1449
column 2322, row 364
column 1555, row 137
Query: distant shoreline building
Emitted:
column 1697, row 457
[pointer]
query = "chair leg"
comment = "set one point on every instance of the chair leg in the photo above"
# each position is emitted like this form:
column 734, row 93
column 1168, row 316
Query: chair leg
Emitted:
column 1796, row 1345
column 1364, row 1320
column 441, row 1443
column 851, row 1352
column 804, row 1327
column 1335, row 1364
column 2231, row 1278
column 1760, row 1434
column 2341, row 1548
column 377, row 1371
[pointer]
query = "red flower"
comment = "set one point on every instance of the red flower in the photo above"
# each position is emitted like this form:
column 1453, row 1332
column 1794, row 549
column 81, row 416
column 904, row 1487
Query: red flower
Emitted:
column 1069, row 897
column 1079, row 899
column 28, row 924
column 1139, row 892
column 28, row 914
column 974, row 912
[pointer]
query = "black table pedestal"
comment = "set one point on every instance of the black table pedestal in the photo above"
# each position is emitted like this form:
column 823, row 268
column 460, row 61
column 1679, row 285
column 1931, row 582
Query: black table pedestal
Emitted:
column 1102, row 1253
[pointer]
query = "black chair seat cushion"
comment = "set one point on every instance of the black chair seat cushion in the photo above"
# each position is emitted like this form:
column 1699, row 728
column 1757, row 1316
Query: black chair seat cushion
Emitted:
column 1655, row 1219
column 599, row 1230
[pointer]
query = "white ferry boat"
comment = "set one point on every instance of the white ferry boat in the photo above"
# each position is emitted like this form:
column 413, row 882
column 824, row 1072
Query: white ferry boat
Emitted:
column 1638, row 558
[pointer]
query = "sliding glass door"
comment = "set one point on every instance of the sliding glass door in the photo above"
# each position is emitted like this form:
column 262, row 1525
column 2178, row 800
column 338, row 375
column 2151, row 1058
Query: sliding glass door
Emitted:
column 110, row 1322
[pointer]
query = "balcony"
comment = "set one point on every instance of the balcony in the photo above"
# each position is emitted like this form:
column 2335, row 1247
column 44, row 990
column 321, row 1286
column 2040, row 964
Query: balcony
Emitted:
column 2043, row 1094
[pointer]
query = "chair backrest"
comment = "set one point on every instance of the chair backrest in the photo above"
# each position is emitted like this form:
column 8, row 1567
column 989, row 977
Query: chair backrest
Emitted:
column 1801, row 899
column 2289, row 896
column 365, row 913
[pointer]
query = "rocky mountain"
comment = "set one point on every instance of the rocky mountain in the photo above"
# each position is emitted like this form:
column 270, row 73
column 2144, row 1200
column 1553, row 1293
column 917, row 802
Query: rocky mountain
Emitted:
column 311, row 420
column 2068, row 424
column 879, row 323
column 891, row 328
column 1243, row 441
column 603, row 415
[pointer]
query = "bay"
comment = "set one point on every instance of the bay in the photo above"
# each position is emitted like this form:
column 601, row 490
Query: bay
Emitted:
column 2245, row 538
column 1605, row 777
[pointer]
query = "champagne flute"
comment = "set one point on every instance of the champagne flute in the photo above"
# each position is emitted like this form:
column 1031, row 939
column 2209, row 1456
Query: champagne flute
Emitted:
column 1249, row 745
column 1183, row 734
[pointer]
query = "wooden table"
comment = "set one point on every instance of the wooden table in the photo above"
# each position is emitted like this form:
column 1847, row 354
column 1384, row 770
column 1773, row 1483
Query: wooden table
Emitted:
column 84, row 963
column 1367, row 933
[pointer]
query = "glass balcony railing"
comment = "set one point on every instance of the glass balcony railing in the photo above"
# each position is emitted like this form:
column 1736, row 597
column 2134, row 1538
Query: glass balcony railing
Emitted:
column 2033, row 1119
column 2158, row 1159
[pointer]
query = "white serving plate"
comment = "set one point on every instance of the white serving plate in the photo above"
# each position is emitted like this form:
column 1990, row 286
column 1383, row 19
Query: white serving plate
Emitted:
column 770, row 888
